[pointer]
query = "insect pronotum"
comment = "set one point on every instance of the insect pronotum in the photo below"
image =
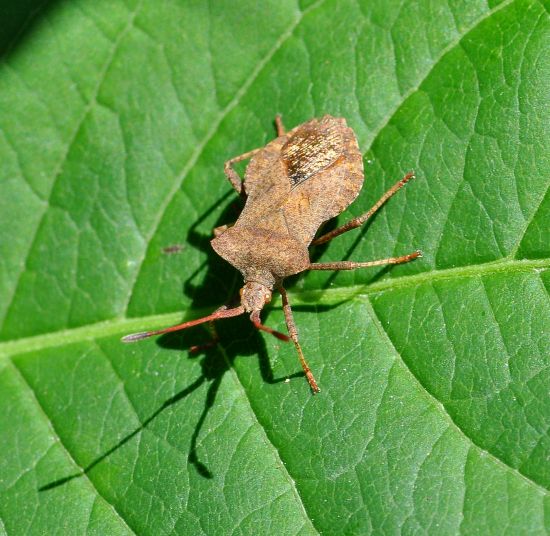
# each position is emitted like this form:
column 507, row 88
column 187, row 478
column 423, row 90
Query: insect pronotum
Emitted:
column 295, row 183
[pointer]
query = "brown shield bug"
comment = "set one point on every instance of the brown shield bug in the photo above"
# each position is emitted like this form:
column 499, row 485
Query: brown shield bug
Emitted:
column 291, row 186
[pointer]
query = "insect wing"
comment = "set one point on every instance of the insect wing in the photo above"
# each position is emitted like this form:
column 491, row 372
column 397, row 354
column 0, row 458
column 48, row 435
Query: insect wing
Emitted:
column 325, row 170
column 311, row 150
column 298, row 181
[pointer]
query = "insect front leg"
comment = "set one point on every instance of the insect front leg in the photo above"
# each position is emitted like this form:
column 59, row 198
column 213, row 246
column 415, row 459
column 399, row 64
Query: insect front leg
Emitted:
column 360, row 220
column 293, row 332
column 350, row 265
column 232, row 175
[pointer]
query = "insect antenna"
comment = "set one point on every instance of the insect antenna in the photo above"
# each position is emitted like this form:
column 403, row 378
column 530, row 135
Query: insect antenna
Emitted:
column 216, row 315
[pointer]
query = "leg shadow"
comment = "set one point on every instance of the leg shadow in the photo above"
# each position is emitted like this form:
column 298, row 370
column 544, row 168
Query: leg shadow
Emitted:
column 216, row 362
column 169, row 402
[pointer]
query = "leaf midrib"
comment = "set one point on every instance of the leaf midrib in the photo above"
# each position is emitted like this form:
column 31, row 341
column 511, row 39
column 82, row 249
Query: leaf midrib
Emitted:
column 331, row 296
column 5, row 347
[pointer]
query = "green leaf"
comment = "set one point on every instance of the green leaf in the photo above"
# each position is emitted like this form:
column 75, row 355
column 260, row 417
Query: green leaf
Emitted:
column 116, row 119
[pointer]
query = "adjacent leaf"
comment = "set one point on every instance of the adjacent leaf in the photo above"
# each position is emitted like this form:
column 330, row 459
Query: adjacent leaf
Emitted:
column 434, row 411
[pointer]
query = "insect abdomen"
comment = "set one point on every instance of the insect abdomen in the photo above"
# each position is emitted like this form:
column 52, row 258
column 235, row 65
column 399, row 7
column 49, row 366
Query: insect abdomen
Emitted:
column 255, row 251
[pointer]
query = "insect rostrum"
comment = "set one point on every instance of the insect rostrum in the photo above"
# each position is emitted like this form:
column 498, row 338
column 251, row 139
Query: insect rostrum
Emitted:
column 291, row 186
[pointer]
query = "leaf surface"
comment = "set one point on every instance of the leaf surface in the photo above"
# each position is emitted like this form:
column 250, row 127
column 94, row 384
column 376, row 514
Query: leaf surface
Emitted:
column 434, row 411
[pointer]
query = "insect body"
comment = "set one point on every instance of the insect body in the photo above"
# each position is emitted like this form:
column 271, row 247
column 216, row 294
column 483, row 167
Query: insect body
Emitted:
column 292, row 186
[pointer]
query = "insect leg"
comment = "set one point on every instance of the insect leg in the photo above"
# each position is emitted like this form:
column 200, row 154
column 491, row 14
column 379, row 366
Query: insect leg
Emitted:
column 350, row 265
column 232, row 175
column 281, row 131
column 291, row 326
column 360, row 220
column 255, row 318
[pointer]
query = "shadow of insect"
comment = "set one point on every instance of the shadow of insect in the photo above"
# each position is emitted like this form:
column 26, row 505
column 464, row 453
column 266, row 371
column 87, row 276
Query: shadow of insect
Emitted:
column 298, row 181
column 218, row 279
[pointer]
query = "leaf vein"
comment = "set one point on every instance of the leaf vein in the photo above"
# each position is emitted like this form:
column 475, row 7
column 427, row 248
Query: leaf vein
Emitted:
column 58, row 168
column 284, row 470
column 65, row 448
column 209, row 135
column 443, row 410
column 388, row 117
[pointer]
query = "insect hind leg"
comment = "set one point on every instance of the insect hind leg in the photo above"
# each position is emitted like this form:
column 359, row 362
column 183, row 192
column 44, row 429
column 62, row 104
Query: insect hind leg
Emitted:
column 351, row 265
column 360, row 220
column 230, row 172
column 281, row 131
